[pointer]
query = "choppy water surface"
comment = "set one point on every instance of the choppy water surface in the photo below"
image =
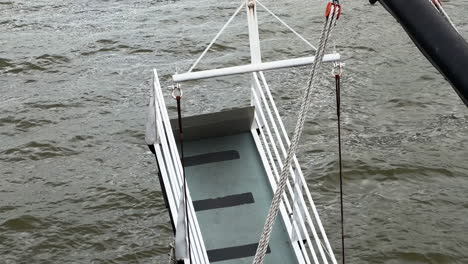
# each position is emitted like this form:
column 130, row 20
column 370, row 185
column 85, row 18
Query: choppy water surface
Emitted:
column 78, row 184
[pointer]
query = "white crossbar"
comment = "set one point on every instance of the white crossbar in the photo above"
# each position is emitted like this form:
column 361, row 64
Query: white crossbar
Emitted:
column 265, row 66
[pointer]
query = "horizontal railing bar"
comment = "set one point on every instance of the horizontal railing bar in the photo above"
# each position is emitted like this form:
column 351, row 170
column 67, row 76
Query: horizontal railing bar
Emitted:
column 174, row 167
column 289, row 225
column 303, row 182
column 276, row 178
column 280, row 158
column 265, row 66
column 289, row 190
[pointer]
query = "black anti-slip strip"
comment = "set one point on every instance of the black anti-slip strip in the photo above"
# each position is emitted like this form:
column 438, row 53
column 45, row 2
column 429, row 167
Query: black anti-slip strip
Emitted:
column 233, row 252
column 211, row 157
column 222, row 202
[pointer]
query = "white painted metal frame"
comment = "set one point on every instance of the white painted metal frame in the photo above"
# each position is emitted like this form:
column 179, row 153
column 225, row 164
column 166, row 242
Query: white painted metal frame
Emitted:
column 256, row 64
column 254, row 67
column 304, row 229
column 272, row 143
column 306, row 232
column 172, row 174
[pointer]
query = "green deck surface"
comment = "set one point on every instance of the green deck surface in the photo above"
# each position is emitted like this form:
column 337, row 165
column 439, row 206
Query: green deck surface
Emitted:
column 242, row 224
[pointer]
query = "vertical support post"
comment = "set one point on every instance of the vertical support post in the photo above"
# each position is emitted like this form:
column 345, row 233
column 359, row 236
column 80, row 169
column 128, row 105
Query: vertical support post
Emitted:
column 254, row 39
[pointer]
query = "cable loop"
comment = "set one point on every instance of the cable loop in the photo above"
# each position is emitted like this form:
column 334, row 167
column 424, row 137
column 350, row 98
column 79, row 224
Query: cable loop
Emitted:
column 338, row 68
column 177, row 91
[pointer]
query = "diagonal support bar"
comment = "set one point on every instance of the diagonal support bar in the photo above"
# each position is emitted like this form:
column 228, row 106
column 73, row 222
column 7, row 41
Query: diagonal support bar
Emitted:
column 217, row 36
column 287, row 26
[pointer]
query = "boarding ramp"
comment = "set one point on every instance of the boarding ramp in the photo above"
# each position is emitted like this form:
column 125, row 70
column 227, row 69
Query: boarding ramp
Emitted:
column 232, row 163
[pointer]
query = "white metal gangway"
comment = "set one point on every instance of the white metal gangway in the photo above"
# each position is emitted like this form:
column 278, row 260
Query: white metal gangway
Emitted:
column 305, row 229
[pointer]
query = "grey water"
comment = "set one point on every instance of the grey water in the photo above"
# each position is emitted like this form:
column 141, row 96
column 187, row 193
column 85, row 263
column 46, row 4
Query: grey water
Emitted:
column 78, row 184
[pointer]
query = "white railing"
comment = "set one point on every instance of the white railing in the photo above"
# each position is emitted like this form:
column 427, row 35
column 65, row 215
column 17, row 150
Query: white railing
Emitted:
column 306, row 231
column 254, row 67
column 172, row 173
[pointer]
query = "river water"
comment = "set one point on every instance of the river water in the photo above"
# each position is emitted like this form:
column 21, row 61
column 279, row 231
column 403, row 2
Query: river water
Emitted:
column 78, row 185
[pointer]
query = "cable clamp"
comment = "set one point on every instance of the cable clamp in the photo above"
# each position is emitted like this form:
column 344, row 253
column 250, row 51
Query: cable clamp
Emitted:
column 330, row 8
column 333, row 7
column 339, row 11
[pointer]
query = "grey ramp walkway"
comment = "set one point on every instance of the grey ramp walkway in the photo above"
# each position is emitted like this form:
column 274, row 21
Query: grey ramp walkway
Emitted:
column 232, row 195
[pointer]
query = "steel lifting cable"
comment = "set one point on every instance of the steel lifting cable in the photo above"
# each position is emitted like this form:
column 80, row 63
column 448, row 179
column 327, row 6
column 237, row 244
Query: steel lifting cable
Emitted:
column 332, row 14
column 287, row 26
column 217, row 36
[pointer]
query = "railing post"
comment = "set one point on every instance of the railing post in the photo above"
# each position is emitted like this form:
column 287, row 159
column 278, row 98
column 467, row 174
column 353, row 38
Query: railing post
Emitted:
column 255, row 54
column 254, row 39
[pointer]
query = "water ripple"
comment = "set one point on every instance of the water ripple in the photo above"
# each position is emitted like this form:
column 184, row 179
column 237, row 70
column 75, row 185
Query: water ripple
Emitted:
column 36, row 151
column 80, row 186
